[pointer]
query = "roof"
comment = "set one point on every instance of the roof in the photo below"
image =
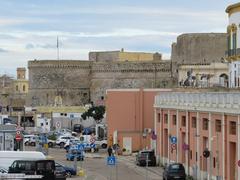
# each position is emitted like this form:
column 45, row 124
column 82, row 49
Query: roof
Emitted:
column 232, row 7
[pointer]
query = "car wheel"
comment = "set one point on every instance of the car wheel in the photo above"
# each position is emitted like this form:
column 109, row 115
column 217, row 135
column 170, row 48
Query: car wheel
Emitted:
column 50, row 144
column 61, row 145
column 104, row 146
column 33, row 143
column 26, row 143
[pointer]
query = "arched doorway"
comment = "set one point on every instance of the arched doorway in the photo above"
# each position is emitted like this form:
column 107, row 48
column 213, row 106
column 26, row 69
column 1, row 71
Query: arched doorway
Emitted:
column 223, row 80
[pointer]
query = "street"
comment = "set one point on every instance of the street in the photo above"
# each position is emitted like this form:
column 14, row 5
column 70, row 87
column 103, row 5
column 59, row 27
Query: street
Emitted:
column 95, row 167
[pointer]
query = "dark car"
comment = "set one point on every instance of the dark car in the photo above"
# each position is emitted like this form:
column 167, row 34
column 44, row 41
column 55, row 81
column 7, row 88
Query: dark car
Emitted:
column 70, row 171
column 78, row 128
column 60, row 172
column 46, row 168
column 146, row 155
column 174, row 171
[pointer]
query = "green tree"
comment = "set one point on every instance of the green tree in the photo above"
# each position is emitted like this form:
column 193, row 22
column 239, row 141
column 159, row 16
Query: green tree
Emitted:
column 96, row 112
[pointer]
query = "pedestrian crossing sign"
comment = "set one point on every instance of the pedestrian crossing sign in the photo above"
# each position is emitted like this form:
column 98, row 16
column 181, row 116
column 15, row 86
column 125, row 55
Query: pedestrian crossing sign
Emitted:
column 111, row 160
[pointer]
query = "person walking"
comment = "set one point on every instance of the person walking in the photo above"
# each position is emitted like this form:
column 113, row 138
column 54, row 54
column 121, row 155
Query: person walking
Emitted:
column 110, row 151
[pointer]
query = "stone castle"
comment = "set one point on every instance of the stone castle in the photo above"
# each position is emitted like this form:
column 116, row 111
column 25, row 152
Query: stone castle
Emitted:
column 77, row 82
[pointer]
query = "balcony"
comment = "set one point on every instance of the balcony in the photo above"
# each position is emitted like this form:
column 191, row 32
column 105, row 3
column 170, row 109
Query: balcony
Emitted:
column 210, row 101
column 232, row 52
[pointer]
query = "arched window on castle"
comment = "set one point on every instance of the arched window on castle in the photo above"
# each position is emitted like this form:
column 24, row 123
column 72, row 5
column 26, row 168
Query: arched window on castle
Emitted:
column 16, row 87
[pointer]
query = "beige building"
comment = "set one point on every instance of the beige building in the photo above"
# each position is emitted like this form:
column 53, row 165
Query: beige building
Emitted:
column 123, row 56
column 203, row 75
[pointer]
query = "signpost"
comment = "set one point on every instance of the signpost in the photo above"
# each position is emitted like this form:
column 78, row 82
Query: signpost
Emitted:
column 173, row 140
column 111, row 162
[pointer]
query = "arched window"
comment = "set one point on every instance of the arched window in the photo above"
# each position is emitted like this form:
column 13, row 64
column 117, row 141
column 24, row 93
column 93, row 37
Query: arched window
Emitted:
column 24, row 88
column 16, row 87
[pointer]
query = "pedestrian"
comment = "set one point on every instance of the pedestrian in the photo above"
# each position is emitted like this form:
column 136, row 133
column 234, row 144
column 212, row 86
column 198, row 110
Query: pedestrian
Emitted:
column 110, row 150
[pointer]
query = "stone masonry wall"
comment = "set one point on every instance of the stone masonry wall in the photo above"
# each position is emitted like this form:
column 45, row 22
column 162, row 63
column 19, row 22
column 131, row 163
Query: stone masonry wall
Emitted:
column 78, row 82
column 198, row 48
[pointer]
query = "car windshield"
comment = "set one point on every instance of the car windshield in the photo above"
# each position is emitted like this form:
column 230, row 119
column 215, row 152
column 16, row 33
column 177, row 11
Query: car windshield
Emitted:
column 176, row 168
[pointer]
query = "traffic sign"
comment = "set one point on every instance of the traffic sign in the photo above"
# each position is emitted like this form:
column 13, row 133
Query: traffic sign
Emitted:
column 173, row 140
column 92, row 139
column 58, row 125
column 18, row 137
column 111, row 160
column 92, row 145
column 80, row 147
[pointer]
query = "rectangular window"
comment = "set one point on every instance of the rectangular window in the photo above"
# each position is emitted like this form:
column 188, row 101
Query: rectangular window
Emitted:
column 174, row 119
column 205, row 124
column 191, row 154
column 165, row 118
column 194, row 122
column 159, row 116
column 184, row 121
column 218, row 125
column 232, row 127
column 214, row 162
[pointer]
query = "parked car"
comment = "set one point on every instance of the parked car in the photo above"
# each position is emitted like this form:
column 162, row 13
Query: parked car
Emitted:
column 78, row 128
column 71, row 142
column 61, row 140
column 174, row 171
column 73, row 153
column 60, row 172
column 143, row 156
column 69, row 170
column 34, row 167
column 28, row 138
column 32, row 140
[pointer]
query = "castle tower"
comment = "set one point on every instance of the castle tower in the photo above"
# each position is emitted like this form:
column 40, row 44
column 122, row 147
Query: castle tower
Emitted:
column 21, row 73
column 233, row 49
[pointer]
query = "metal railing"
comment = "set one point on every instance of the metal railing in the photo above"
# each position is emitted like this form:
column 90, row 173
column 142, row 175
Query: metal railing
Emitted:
column 232, row 52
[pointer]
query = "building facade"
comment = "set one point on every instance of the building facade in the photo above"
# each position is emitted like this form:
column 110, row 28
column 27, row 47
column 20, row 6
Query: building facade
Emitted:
column 130, row 117
column 233, row 45
column 203, row 75
column 187, row 124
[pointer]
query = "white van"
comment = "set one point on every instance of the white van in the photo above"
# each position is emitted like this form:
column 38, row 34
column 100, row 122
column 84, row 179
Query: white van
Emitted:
column 7, row 157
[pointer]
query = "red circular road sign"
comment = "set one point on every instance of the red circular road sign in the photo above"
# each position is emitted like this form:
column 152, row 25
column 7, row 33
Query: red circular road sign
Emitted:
column 18, row 137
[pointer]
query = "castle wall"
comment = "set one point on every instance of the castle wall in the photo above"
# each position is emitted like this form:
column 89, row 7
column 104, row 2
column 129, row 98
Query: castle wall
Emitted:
column 68, row 79
column 78, row 82
column 118, row 75
column 198, row 48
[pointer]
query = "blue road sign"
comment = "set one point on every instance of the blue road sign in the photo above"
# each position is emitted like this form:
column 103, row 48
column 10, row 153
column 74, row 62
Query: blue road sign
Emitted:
column 80, row 147
column 111, row 160
column 173, row 140
column 92, row 145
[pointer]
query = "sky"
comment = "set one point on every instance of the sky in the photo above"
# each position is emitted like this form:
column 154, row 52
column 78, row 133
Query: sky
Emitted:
column 29, row 28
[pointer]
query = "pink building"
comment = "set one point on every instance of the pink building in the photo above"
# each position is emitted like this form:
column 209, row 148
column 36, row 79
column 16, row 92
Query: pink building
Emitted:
column 130, row 117
column 186, row 124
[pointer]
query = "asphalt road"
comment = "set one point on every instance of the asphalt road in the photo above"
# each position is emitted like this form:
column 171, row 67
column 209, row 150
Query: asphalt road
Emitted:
column 96, row 168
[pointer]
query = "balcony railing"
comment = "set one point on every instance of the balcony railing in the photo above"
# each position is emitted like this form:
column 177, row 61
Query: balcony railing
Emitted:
column 232, row 52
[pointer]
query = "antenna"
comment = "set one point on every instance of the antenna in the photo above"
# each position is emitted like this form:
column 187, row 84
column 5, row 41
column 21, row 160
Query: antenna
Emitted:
column 57, row 49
